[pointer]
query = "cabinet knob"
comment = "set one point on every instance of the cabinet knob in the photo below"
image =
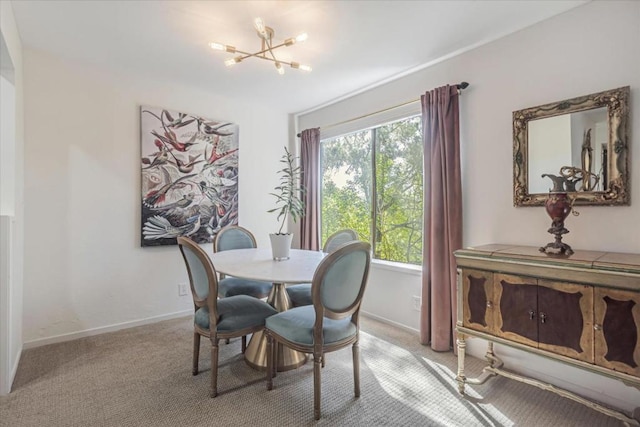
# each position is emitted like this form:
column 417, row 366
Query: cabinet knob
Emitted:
column 597, row 327
column 543, row 317
column 532, row 314
column 489, row 304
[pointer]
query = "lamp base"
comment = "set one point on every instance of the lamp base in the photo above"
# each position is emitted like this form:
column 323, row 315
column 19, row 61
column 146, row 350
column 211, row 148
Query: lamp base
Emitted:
column 557, row 247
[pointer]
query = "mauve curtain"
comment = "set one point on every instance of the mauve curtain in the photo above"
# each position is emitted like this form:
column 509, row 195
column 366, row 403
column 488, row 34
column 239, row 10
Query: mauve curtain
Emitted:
column 310, row 165
column 442, row 215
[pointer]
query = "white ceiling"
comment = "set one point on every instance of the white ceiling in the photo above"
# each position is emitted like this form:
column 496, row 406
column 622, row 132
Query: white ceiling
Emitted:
column 352, row 44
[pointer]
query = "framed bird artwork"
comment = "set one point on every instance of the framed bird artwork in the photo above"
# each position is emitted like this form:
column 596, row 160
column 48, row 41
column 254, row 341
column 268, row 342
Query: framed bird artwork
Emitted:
column 189, row 167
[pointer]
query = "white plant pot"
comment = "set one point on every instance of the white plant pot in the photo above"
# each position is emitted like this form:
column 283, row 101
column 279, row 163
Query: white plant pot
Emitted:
column 280, row 245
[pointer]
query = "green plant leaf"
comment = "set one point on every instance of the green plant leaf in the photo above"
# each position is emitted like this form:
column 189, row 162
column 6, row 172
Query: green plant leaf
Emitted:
column 289, row 190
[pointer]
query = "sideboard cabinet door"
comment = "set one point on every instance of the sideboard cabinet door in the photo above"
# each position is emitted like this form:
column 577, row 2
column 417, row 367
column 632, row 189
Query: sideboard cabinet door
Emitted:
column 517, row 308
column 477, row 288
column 565, row 319
column 617, row 330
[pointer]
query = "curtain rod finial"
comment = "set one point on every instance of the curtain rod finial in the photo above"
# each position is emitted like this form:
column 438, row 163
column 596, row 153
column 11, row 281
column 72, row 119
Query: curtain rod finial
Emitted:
column 463, row 85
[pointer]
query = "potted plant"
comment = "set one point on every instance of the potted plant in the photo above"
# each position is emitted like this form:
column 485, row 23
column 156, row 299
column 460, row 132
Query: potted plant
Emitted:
column 288, row 204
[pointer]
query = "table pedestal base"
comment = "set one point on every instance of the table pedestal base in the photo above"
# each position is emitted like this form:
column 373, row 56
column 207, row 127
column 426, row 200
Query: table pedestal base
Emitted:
column 256, row 353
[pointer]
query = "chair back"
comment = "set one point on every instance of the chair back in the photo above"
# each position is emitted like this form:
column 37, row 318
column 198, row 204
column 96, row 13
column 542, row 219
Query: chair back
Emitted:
column 202, row 275
column 339, row 238
column 339, row 282
column 233, row 237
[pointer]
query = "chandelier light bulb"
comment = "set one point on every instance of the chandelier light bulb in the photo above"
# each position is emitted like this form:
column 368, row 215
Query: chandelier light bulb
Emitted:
column 232, row 61
column 224, row 47
column 259, row 26
column 280, row 69
column 302, row 37
column 299, row 66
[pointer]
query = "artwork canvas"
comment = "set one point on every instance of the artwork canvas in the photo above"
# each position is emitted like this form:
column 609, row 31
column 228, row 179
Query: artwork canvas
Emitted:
column 189, row 176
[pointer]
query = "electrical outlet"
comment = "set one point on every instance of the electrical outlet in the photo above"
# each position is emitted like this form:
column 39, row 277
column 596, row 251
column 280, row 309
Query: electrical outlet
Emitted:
column 417, row 302
column 183, row 289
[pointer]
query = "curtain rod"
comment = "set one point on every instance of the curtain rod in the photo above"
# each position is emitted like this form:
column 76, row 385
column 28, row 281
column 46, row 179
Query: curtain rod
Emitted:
column 460, row 86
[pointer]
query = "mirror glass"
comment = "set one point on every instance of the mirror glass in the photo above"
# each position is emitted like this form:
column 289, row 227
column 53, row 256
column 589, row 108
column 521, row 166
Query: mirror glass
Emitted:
column 579, row 146
column 577, row 140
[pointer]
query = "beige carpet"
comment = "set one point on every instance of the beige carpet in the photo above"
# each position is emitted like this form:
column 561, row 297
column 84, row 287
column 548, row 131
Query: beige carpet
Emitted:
column 142, row 377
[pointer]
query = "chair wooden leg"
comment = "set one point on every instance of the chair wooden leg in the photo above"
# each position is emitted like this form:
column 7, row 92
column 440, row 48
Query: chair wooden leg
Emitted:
column 244, row 343
column 316, row 385
column 276, row 360
column 270, row 362
column 196, row 353
column 214, row 368
column 356, row 368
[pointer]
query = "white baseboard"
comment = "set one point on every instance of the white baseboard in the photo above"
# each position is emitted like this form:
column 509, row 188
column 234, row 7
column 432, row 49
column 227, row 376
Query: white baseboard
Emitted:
column 104, row 329
column 133, row 323
column 389, row 322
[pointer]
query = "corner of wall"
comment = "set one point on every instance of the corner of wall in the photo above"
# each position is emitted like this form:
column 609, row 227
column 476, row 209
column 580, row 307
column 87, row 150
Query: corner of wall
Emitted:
column 12, row 312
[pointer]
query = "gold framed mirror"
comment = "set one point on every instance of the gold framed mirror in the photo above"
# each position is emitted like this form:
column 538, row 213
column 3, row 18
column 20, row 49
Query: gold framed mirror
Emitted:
column 583, row 140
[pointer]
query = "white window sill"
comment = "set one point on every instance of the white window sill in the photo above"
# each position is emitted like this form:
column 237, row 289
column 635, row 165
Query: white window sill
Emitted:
column 414, row 270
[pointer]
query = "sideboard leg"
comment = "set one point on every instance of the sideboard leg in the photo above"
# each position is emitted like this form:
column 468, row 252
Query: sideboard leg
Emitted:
column 462, row 345
column 494, row 361
column 487, row 372
column 490, row 356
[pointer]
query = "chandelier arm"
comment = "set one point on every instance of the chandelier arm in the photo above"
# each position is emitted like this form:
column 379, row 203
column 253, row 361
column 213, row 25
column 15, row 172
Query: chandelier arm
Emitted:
column 260, row 52
column 277, row 60
column 272, row 47
column 246, row 55
column 266, row 58
column 271, row 51
column 258, row 55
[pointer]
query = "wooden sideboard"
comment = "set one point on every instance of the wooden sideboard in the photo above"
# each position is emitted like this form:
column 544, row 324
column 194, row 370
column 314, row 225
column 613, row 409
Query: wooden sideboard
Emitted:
column 582, row 309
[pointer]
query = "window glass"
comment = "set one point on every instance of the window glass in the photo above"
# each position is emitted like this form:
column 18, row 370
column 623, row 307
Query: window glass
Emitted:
column 398, row 215
column 346, row 184
column 379, row 167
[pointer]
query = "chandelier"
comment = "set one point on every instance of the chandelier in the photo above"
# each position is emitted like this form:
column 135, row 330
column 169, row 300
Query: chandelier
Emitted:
column 267, row 48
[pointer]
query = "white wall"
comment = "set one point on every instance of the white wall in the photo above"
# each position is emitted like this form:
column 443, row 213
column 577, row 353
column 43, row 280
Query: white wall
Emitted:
column 12, row 222
column 85, row 271
column 390, row 294
column 550, row 61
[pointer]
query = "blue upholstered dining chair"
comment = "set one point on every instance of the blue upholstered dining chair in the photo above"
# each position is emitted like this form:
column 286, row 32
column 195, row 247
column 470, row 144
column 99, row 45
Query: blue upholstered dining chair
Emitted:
column 332, row 322
column 301, row 294
column 216, row 319
column 235, row 237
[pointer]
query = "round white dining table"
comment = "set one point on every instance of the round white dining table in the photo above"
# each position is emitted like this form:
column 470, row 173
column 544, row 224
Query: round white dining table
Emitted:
column 258, row 264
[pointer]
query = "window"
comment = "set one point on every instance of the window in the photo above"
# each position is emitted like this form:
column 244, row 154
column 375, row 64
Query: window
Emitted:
column 379, row 167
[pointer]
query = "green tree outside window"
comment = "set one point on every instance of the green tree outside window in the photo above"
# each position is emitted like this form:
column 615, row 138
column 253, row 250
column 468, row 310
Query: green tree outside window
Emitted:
column 391, row 153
